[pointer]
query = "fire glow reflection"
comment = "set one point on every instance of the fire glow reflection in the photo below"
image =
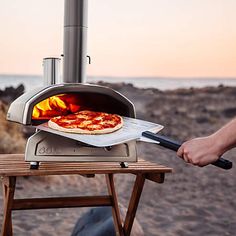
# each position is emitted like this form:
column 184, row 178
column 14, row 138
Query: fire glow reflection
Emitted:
column 58, row 105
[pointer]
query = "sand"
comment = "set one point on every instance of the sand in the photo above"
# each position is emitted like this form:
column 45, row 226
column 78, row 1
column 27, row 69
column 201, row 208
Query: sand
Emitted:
column 192, row 201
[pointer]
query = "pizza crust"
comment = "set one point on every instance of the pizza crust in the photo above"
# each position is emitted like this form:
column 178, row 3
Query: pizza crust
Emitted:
column 55, row 126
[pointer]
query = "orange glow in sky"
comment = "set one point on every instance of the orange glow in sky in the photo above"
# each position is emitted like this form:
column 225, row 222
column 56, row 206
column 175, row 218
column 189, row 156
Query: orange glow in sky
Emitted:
column 177, row 38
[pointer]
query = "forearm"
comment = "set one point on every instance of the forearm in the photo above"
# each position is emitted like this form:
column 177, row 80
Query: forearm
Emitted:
column 225, row 138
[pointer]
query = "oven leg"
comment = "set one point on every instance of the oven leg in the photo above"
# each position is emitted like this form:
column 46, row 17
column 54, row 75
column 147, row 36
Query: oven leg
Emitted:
column 8, row 184
column 34, row 165
column 124, row 165
column 115, row 206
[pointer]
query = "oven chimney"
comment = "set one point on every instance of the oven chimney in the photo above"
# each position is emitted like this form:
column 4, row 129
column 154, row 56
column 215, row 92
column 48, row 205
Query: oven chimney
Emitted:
column 75, row 41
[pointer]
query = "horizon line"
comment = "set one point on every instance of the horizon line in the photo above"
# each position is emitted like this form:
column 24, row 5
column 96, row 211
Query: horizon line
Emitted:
column 137, row 77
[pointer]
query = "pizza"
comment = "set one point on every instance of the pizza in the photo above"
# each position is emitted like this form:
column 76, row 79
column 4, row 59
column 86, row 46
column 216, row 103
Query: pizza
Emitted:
column 87, row 122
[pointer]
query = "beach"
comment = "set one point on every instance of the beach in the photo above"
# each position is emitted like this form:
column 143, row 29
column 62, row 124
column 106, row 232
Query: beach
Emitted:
column 192, row 201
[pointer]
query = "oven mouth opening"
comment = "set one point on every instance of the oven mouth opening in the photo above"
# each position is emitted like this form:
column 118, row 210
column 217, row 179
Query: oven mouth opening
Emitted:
column 64, row 104
column 58, row 105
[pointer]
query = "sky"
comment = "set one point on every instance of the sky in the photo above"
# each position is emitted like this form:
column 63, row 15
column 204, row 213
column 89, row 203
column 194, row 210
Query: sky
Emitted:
column 170, row 38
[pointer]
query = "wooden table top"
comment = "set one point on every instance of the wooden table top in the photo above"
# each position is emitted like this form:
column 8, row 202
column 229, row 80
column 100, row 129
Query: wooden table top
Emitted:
column 15, row 165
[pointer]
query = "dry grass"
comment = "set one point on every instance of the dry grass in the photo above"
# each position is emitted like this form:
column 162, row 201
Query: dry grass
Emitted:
column 11, row 139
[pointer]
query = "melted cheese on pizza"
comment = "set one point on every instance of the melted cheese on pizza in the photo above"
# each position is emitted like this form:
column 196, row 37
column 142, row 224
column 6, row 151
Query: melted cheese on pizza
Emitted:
column 87, row 121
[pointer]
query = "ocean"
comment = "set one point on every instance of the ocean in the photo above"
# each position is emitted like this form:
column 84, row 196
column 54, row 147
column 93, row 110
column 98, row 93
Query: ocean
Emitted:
column 33, row 81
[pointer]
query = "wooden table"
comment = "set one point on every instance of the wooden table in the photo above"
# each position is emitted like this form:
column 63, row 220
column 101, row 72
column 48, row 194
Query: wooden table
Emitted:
column 13, row 165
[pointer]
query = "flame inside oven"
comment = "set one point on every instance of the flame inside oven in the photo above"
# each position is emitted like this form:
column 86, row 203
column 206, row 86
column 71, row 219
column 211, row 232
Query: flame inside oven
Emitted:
column 58, row 105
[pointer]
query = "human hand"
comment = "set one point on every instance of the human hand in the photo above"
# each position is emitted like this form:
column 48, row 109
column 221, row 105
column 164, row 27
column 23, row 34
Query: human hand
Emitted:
column 200, row 151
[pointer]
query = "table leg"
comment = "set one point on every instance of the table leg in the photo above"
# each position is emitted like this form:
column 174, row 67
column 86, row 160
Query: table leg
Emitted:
column 115, row 206
column 133, row 203
column 8, row 184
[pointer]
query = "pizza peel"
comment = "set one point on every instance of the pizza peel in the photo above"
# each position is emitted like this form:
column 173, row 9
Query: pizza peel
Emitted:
column 133, row 129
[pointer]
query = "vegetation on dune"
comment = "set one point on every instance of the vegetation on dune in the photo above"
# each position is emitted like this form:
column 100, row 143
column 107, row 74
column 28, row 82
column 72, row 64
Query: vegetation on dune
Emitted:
column 12, row 139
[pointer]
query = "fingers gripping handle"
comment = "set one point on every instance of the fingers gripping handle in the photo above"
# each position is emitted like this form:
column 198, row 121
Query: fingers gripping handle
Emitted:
column 174, row 145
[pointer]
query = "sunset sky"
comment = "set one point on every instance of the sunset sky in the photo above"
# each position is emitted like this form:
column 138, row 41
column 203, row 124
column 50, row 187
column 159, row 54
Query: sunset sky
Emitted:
column 176, row 38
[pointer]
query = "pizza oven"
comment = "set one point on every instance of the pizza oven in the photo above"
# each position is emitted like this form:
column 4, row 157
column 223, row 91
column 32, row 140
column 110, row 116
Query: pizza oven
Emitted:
column 69, row 94
column 38, row 106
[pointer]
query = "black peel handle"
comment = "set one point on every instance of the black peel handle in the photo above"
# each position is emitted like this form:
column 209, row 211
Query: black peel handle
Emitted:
column 174, row 145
